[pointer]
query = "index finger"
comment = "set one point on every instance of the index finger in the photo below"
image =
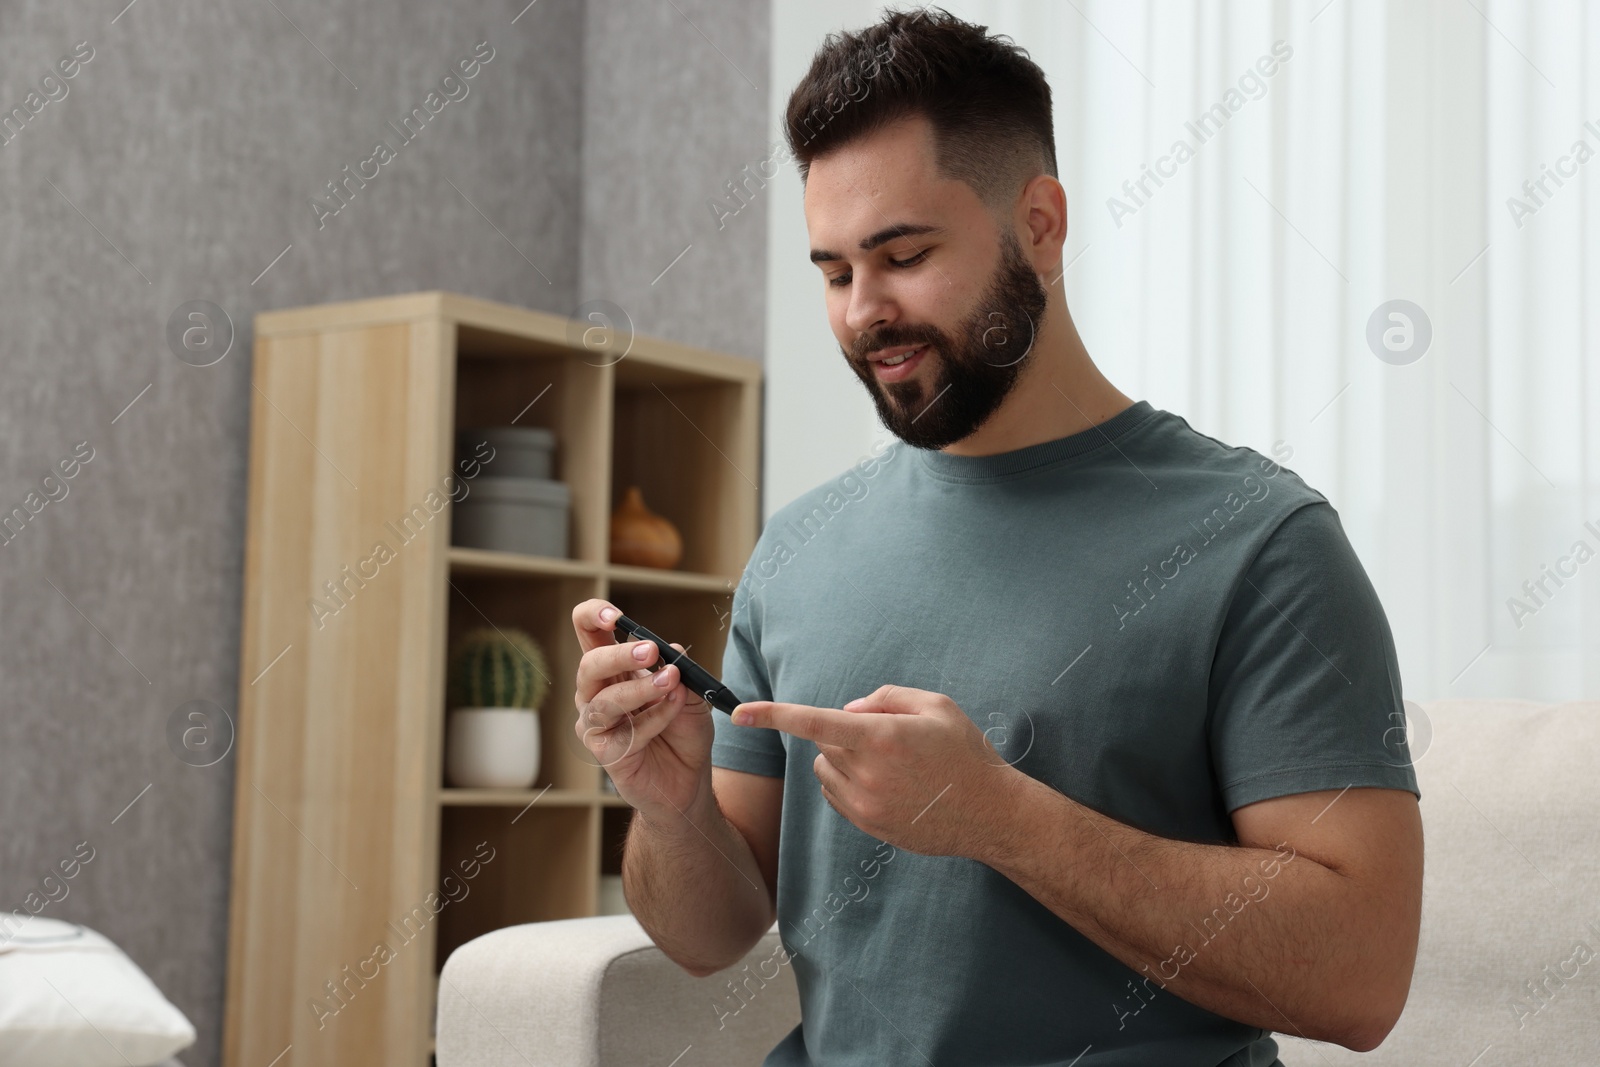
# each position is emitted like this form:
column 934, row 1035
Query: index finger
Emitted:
column 594, row 629
column 827, row 726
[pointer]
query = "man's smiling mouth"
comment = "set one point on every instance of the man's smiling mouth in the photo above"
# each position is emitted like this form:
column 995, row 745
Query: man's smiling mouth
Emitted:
column 901, row 364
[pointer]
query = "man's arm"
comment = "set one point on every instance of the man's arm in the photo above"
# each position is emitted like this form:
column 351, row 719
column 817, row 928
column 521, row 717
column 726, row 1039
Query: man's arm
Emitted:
column 703, row 882
column 1309, row 925
column 1318, row 938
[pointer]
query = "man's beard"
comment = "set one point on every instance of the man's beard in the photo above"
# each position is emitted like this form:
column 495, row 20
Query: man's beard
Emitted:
column 975, row 369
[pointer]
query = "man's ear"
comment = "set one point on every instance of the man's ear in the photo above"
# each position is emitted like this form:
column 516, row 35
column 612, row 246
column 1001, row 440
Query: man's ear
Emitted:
column 1043, row 220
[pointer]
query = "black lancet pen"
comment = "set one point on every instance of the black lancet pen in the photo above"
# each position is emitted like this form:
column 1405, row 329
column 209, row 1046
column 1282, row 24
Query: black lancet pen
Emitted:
column 695, row 677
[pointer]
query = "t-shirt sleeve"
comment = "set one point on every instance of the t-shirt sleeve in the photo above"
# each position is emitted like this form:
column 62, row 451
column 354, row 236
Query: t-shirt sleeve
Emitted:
column 1305, row 683
column 746, row 748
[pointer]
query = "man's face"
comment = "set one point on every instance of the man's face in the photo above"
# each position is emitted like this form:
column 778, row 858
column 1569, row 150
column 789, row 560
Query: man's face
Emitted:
column 912, row 261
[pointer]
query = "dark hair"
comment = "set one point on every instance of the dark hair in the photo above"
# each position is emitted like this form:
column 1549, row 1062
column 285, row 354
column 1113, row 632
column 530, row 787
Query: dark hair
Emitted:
column 988, row 103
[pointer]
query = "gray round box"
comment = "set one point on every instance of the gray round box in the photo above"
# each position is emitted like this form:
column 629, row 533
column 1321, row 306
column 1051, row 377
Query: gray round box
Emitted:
column 519, row 451
column 527, row 515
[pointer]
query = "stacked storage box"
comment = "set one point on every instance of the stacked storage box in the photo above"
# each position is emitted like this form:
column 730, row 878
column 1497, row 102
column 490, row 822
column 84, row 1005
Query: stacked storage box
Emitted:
column 515, row 505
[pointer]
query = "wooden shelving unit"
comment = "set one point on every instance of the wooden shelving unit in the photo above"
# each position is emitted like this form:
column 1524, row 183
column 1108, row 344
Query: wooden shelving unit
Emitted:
column 345, row 837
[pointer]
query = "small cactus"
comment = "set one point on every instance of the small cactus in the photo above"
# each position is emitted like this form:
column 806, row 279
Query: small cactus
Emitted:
column 498, row 668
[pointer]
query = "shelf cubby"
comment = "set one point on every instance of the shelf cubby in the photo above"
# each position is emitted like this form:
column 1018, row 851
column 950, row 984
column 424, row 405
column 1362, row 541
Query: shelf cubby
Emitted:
column 541, row 606
column 502, row 380
column 684, row 439
column 517, row 885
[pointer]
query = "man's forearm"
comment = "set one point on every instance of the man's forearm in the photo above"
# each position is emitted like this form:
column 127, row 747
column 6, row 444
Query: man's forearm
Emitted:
column 1267, row 938
column 694, row 885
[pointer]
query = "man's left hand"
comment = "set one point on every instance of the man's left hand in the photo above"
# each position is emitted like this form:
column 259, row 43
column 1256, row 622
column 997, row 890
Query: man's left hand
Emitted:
column 904, row 765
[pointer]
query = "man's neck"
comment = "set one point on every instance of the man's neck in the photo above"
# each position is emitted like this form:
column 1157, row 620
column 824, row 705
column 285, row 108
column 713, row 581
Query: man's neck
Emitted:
column 1059, row 392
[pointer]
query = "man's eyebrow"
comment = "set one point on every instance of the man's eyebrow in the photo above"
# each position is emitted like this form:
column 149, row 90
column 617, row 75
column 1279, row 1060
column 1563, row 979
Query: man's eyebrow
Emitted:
column 888, row 233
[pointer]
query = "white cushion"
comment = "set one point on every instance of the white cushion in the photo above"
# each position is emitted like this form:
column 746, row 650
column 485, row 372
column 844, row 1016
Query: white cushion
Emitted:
column 71, row 998
column 597, row 992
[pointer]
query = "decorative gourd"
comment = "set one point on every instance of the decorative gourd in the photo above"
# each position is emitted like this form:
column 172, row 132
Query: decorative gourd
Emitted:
column 640, row 537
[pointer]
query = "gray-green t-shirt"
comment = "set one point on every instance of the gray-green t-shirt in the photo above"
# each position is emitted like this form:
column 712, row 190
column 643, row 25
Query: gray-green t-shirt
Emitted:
column 1158, row 625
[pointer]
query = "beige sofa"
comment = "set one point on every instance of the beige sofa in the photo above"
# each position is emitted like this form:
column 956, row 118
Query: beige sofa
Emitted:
column 1508, row 971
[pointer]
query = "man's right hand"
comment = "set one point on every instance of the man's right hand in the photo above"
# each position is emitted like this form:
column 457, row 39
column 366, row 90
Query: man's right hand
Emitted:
column 653, row 739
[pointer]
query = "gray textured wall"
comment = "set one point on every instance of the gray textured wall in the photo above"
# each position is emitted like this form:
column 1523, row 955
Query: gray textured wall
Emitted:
column 180, row 162
column 675, row 106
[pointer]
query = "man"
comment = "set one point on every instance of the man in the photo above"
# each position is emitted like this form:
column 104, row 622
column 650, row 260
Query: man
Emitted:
column 1069, row 732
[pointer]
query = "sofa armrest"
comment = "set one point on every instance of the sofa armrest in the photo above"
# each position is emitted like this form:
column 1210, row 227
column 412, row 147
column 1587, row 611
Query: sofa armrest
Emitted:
column 597, row 992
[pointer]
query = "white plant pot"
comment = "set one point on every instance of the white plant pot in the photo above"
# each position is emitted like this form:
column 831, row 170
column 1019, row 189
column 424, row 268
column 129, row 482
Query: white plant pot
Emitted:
column 492, row 748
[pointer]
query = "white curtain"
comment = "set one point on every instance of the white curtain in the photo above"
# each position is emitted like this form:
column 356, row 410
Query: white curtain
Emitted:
column 1383, row 158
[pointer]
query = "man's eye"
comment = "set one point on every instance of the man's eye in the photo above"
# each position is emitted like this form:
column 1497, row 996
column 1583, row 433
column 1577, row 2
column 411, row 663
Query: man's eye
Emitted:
column 844, row 279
